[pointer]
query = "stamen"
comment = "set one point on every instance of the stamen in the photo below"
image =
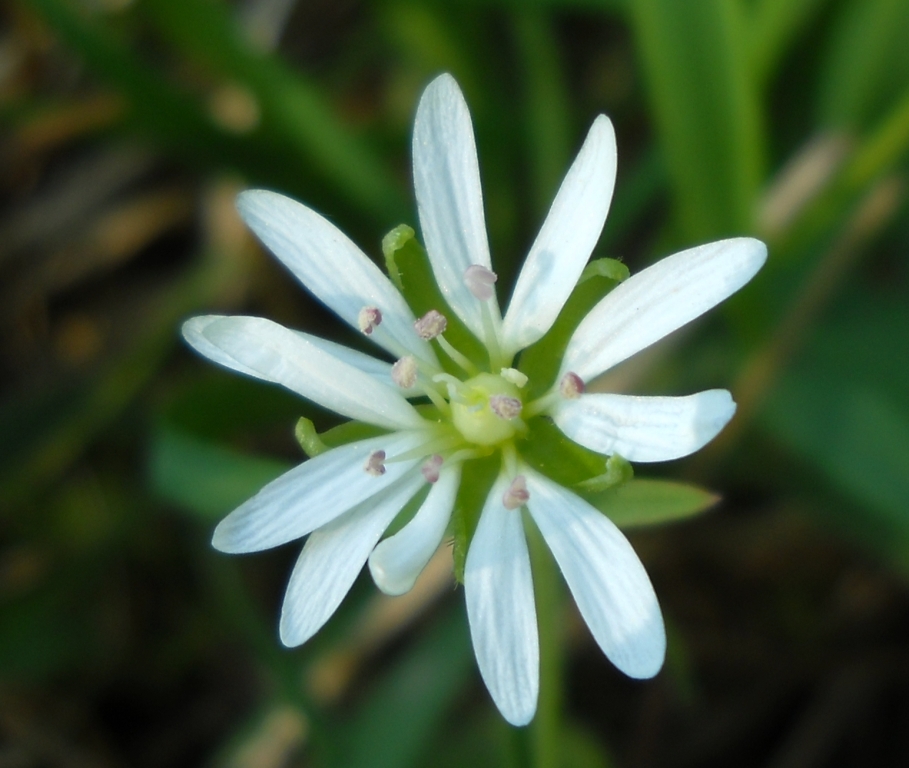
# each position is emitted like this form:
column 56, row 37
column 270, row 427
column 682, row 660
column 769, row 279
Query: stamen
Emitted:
column 436, row 398
column 505, row 407
column 571, row 386
column 542, row 404
column 375, row 464
column 431, row 467
column 466, row 454
column 517, row 494
column 443, row 440
column 369, row 319
column 404, row 372
column 457, row 392
column 491, row 325
column 514, row 376
column 431, row 325
column 458, row 358
column 480, row 280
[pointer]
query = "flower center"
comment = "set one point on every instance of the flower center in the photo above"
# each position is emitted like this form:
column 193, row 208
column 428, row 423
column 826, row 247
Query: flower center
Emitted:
column 487, row 409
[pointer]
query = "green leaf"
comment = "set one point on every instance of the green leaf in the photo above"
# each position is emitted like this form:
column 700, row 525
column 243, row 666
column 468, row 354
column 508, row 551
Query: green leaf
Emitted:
column 695, row 59
column 651, row 502
column 203, row 478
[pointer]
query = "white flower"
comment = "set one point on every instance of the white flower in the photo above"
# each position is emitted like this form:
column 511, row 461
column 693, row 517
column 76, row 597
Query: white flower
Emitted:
column 345, row 498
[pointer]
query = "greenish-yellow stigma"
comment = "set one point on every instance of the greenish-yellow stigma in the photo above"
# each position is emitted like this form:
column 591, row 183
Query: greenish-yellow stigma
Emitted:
column 487, row 409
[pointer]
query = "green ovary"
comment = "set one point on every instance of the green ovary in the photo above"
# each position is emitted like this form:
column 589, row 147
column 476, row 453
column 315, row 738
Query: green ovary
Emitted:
column 473, row 417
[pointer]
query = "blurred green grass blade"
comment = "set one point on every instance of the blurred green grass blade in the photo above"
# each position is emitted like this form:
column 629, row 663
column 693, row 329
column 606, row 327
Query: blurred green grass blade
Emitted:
column 847, row 416
column 859, row 439
column 398, row 720
column 292, row 109
column 642, row 502
column 593, row 5
column 640, row 187
column 696, row 63
column 156, row 109
column 425, row 35
column 41, row 636
column 204, row 478
column 45, row 433
column 867, row 63
column 774, row 27
column 546, row 103
column 159, row 111
column 884, row 147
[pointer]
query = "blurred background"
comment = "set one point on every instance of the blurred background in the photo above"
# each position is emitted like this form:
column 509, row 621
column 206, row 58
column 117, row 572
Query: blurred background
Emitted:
column 127, row 129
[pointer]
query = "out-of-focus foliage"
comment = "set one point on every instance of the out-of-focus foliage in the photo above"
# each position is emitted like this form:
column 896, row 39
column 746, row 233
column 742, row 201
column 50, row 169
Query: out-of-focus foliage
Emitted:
column 127, row 129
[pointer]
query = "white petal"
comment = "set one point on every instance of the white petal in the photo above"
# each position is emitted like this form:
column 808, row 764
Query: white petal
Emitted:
column 397, row 561
column 500, row 607
column 645, row 428
column 565, row 242
column 609, row 584
column 335, row 270
column 332, row 558
column 449, row 198
column 658, row 300
column 193, row 333
column 277, row 354
column 312, row 494
column 378, row 369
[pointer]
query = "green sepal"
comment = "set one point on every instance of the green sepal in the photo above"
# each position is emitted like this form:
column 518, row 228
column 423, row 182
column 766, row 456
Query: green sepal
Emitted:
column 410, row 270
column 618, row 472
column 551, row 453
column 540, row 361
column 308, row 438
column 314, row 443
column 641, row 503
column 407, row 511
column 391, row 244
column 477, row 477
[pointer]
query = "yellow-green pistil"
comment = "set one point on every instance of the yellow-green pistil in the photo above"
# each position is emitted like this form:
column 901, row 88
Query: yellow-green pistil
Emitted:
column 486, row 410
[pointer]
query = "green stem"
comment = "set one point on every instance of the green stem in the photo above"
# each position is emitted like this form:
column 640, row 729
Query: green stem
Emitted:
column 546, row 726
